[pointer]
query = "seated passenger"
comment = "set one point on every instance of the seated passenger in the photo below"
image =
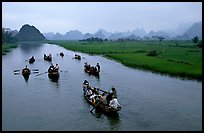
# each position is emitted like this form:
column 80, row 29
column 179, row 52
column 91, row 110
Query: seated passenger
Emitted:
column 114, row 103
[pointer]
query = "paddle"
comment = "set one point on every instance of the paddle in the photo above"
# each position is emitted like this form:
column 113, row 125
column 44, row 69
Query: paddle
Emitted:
column 17, row 73
column 95, row 106
column 102, row 90
column 20, row 70
column 42, row 73
column 34, row 69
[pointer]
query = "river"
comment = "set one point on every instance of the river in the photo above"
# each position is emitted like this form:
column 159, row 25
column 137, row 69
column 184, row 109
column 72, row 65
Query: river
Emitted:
column 150, row 102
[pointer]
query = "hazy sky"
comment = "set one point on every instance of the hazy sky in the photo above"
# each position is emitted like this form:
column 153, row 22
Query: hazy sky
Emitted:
column 91, row 16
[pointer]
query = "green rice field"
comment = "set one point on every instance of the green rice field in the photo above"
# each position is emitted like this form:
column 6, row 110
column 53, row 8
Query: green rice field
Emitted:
column 183, row 60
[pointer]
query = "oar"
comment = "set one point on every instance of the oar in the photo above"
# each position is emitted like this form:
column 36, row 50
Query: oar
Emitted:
column 102, row 90
column 42, row 73
column 95, row 106
column 34, row 69
column 16, row 70
column 35, row 72
column 17, row 73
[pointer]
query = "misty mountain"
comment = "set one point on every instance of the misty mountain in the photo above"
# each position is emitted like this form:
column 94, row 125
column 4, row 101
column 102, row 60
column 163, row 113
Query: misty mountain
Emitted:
column 183, row 27
column 159, row 33
column 49, row 35
column 188, row 31
column 73, row 35
column 57, row 36
column 99, row 34
column 115, row 36
column 137, row 32
column 133, row 37
column 195, row 30
column 88, row 35
column 29, row 33
column 104, row 32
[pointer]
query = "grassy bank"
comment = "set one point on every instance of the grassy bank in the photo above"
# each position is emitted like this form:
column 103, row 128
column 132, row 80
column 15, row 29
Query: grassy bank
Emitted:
column 183, row 60
column 7, row 47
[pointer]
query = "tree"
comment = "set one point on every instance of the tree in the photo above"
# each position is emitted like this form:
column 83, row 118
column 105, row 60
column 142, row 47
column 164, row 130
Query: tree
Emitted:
column 195, row 39
column 160, row 38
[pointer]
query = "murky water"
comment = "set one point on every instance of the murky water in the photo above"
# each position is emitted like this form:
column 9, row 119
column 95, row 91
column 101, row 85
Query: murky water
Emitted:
column 149, row 101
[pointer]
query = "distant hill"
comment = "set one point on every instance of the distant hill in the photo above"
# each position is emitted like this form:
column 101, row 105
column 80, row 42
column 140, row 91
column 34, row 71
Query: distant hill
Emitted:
column 29, row 33
column 188, row 31
column 73, row 35
column 194, row 30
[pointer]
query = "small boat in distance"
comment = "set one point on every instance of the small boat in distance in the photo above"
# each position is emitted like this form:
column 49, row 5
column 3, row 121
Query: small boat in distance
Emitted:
column 77, row 57
column 91, row 70
column 53, row 72
column 48, row 58
column 62, row 54
column 32, row 60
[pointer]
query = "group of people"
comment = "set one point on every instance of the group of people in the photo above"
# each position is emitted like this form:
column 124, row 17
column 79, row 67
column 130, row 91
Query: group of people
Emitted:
column 92, row 68
column 49, row 55
column 53, row 68
column 77, row 56
column 109, row 98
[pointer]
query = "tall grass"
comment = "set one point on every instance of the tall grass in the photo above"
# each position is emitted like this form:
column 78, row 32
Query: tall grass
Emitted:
column 7, row 47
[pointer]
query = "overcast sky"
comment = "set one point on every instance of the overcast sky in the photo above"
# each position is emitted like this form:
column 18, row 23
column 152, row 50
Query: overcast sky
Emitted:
column 90, row 16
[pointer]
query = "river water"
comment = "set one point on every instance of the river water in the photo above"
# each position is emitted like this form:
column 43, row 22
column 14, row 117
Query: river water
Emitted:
column 150, row 102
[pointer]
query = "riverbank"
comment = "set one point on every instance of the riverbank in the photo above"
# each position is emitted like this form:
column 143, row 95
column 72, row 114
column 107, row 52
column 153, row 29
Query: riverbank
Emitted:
column 7, row 47
column 183, row 60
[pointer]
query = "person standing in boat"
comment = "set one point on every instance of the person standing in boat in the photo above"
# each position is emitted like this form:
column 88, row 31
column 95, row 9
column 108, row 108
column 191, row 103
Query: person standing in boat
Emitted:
column 85, row 84
column 51, row 67
column 98, row 67
column 109, row 97
column 113, row 91
column 50, row 55
column 56, row 67
column 26, row 68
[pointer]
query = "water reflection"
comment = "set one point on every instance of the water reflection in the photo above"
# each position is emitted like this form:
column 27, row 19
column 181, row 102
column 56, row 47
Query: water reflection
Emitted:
column 26, row 78
column 26, row 48
column 113, row 119
column 96, row 76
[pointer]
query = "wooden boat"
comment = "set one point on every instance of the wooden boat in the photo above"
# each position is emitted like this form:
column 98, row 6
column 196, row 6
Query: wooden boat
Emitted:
column 77, row 57
column 62, row 54
column 48, row 58
column 53, row 74
column 31, row 60
column 101, row 106
column 92, row 72
column 26, row 72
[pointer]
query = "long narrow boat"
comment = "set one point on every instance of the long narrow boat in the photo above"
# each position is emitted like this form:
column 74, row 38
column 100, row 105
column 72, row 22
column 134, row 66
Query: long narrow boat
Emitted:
column 31, row 60
column 77, row 57
column 48, row 58
column 62, row 54
column 101, row 106
column 53, row 74
column 92, row 72
column 26, row 72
